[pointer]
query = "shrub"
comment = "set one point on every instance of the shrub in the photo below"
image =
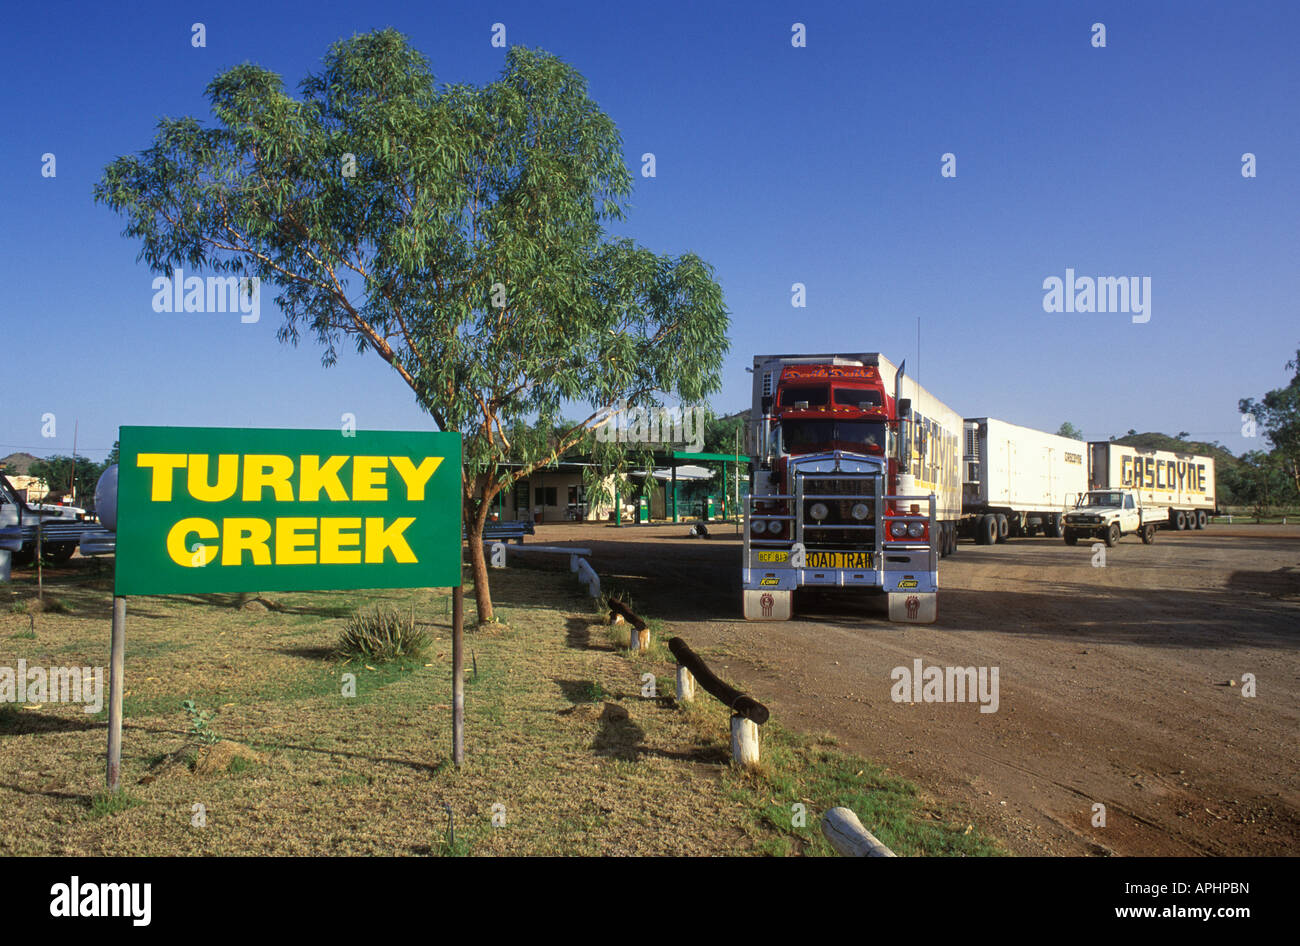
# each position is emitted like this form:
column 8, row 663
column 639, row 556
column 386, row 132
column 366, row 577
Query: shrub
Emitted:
column 383, row 634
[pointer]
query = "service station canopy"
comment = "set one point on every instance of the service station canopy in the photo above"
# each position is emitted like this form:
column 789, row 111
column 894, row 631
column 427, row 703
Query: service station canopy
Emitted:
column 223, row 509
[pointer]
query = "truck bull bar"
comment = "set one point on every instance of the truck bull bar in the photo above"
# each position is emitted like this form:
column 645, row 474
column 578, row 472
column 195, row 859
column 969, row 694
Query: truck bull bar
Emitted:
column 906, row 569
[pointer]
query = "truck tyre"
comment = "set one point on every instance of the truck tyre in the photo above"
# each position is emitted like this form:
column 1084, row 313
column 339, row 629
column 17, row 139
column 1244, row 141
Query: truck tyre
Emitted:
column 1201, row 519
column 1055, row 526
column 1071, row 538
column 986, row 530
column 58, row 553
column 1148, row 533
column 1180, row 521
column 1004, row 527
column 1112, row 535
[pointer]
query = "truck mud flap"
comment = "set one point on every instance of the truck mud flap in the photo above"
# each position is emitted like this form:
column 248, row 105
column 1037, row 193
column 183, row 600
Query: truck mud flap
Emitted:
column 916, row 607
column 765, row 605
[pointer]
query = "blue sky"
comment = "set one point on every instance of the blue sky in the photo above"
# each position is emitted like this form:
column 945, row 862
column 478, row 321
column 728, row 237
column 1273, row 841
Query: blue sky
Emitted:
column 776, row 164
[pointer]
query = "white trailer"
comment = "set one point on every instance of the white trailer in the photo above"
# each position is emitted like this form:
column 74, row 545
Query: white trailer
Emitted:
column 1182, row 482
column 1018, row 481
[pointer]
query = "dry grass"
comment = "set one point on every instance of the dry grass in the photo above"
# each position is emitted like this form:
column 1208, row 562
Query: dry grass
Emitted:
column 557, row 733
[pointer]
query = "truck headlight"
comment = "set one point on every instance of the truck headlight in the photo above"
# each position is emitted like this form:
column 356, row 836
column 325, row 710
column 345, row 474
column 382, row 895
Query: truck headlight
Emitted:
column 898, row 529
column 819, row 511
column 916, row 530
column 859, row 511
column 774, row 527
column 758, row 526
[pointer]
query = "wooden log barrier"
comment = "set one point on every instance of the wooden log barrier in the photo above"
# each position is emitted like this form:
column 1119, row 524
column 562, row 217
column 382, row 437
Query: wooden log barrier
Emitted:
column 737, row 702
column 617, row 607
column 638, row 632
column 847, row 835
column 587, row 575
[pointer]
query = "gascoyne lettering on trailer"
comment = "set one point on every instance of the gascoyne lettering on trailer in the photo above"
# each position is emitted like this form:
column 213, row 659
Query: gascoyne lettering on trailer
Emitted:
column 1158, row 473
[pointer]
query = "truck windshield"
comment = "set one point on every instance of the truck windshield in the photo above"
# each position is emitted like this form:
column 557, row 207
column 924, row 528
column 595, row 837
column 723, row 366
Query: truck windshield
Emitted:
column 801, row 436
column 1102, row 499
column 815, row 396
column 861, row 398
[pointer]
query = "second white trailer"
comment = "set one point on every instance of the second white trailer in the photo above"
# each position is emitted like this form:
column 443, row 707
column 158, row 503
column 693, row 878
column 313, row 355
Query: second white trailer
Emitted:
column 1017, row 481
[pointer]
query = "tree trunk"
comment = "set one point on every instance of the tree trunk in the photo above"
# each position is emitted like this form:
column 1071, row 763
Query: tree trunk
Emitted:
column 475, row 518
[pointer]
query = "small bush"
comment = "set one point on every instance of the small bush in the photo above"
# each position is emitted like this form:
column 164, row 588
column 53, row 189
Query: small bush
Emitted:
column 200, row 724
column 110, row 803
column 383, row 634
column 49, row 605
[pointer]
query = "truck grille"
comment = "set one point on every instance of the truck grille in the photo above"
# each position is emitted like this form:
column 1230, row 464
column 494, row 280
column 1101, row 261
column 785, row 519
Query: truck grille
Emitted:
column 823, row 534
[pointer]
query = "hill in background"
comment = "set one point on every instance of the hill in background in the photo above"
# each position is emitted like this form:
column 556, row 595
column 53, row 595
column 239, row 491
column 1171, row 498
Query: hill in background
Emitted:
column 18, row 464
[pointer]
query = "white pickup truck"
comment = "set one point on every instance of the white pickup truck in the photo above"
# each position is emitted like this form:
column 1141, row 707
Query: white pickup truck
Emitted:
column 1109, row 514
column 62, row 527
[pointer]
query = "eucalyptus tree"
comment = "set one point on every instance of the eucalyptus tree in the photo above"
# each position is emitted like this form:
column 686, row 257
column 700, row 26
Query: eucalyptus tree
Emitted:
column 457, row 231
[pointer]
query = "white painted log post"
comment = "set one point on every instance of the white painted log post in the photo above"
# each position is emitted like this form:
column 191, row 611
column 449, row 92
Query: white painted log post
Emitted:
column 847, row 835
column 744, row 742
column 638, row 638
column 588, row 575
column 685, row 685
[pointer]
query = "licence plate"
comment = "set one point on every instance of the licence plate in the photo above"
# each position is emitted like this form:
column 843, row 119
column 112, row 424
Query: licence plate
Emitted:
column 838, row 560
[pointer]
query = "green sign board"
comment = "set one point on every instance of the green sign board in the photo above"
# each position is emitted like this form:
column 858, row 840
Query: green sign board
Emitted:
column 223, row 509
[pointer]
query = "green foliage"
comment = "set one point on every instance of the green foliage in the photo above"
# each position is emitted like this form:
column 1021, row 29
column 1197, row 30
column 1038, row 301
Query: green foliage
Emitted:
column 1067, row 429
column 1277, row 415
column 383, row 634
column 200, row 723
column 468, row 248
column 60, row 472
column 1261, row 481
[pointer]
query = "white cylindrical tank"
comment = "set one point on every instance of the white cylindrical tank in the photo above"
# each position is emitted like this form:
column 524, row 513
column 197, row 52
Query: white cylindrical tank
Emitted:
column 106, row 498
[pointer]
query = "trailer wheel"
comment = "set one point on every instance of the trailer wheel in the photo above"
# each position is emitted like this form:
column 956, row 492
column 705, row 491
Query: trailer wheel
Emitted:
column 58, row 553
column 1148, row 533
column 1054, row 526
column 986, row 530
column 1071, row 538
column 1004, row 527
column 1180, row 521
column 1201, row 519
column 1112, row 535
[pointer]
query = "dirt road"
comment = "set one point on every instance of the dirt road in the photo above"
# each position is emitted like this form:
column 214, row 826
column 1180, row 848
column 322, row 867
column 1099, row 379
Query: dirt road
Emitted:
column 1114, row 682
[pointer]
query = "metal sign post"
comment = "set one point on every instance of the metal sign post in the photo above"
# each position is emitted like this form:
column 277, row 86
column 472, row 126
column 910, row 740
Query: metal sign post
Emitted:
column 115, row 682
column 458, row 675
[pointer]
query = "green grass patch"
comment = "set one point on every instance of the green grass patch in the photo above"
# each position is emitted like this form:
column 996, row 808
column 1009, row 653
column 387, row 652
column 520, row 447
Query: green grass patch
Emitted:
column 798, row 770
column 103, row 804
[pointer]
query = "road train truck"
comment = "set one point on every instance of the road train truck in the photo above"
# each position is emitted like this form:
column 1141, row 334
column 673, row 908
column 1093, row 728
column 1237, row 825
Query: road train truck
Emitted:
column 856, row 484
column 1182, row 483
column 1018, row 481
